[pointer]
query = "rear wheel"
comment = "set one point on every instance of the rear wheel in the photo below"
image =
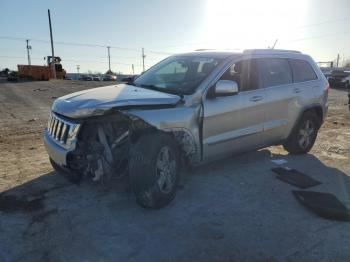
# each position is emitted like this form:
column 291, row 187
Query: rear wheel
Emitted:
column 153, row 170
column 304, row 134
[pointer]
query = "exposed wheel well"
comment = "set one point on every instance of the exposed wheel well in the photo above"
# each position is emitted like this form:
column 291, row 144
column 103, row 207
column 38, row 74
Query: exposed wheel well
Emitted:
column 183, row 139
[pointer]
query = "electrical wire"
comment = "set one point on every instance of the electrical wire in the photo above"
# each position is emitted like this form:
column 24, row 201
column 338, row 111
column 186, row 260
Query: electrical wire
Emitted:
column 155, row 51
column 71, row 60
column 319, row 36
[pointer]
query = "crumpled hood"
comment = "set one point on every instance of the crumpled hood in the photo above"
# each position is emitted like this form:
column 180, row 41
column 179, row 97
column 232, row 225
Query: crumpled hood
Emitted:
column 98, row 100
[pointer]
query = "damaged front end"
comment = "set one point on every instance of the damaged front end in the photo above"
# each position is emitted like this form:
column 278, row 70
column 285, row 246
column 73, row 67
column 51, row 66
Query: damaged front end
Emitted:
column 98, row 147
column 91, row 132
column 103, row 144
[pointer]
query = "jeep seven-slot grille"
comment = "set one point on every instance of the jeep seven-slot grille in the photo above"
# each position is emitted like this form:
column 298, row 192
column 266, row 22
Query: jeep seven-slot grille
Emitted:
column 59, row 129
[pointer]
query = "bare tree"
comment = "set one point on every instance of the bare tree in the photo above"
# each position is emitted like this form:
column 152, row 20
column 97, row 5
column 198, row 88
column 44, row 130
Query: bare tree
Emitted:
column 346, row 62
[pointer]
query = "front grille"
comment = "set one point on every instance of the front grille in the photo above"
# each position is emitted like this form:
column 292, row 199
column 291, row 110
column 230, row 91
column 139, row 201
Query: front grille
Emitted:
column 60, row 130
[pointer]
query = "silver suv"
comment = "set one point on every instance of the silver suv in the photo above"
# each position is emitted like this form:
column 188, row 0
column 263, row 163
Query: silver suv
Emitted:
column 186, row 110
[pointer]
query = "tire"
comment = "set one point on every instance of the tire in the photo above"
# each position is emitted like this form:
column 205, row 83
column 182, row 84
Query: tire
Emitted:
column 303, row 136
column 153, row 170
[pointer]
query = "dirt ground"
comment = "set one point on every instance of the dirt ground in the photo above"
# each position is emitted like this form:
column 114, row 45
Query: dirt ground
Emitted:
column 230, row 210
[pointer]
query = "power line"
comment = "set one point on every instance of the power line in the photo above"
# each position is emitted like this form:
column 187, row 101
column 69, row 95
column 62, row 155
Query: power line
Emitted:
column 85, row 44
column 291, row 41
column 152, row 51
column 295, row 28
column 70, row 43
column 5, row 56
column 319, row 36
column 324, row 22
column 159, row 52
column 94, row 61
column 20, row 57
column 70, row 60
column 13, row 38
column 121, row 57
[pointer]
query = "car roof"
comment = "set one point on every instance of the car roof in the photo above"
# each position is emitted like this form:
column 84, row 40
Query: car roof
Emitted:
column 210, row 53
column 227, row 53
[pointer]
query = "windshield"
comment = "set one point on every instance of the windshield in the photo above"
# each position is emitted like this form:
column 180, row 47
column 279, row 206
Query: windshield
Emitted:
column 178, row 74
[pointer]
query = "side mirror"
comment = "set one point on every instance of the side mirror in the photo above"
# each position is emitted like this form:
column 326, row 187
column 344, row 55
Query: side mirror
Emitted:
column 225, row 88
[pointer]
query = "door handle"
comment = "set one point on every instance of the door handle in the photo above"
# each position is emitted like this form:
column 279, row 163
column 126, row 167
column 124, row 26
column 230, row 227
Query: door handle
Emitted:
column 256, row 98
column 297, row 90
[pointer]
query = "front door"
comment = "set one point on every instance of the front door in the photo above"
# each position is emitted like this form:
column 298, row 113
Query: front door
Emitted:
column 235, row 123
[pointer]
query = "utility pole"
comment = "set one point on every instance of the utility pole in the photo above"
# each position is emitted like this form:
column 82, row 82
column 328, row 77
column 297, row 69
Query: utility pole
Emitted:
column 133, row 69
column 143, row 59
column 109, row 59
column 52, row 50
column 338, row 61
column 28, row 47
column 78, row 67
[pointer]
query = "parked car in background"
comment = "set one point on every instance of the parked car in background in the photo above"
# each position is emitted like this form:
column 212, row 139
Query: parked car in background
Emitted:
column 12, row 76
column 339, row 78
column 187, row 110
column 109, row 78
column 85, row 78
column 5, row 72
column 96, row 78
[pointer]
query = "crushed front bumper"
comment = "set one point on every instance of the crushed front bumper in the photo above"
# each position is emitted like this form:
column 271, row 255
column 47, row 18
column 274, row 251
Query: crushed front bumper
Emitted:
column 57, row 153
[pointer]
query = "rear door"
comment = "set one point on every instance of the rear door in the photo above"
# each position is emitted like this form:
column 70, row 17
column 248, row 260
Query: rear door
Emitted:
column 235, row 123
column 281, row 96
column 305, row 80
column 289, row 85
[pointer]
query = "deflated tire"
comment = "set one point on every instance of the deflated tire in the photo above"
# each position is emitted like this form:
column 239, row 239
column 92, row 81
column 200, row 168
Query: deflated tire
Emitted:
column 153, row 169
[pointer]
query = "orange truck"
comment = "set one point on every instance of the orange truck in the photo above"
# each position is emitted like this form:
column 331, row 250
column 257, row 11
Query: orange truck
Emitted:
column 35, row 72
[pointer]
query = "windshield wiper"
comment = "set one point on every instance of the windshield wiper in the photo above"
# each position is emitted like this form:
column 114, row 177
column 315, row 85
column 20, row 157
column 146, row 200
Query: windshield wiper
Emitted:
column 153, row 87
column 150, row 86
column 132, row 83
column 164, row 90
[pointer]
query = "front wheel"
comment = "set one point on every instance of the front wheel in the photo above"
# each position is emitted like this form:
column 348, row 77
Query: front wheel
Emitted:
column 304, row 135
column 153, row 169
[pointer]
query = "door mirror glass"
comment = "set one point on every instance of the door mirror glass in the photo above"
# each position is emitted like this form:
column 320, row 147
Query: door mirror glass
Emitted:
column 226, row 88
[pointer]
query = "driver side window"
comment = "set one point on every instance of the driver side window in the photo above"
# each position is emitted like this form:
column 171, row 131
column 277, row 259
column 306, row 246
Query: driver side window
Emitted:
column 244, row 73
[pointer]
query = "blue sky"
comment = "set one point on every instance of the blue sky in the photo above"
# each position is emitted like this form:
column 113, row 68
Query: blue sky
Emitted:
column 319, row 28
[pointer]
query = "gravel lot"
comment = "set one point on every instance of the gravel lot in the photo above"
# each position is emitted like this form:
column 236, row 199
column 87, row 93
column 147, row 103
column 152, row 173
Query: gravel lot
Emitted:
column 230, row 210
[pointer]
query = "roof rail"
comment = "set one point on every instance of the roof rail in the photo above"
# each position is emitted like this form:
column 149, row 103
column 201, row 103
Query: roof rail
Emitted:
column 204, row 49
column 269, row 51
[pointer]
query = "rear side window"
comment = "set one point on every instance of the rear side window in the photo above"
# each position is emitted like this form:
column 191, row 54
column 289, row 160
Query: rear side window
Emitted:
column 302, row 71
column 275, row 72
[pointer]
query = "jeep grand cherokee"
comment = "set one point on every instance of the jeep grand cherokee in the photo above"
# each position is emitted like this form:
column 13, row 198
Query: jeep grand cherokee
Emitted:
column 186, row 110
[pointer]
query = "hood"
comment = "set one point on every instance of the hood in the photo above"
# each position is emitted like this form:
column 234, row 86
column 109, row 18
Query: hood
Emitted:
column 97, row 101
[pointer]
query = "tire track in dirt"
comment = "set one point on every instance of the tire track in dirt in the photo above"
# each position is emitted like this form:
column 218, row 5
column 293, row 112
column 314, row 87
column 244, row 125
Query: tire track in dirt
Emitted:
column 24, row 108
